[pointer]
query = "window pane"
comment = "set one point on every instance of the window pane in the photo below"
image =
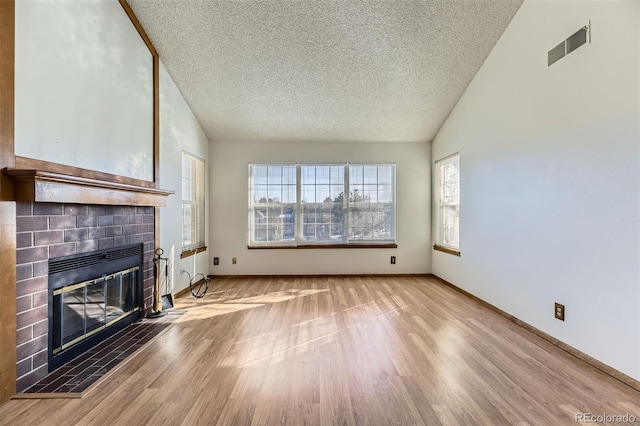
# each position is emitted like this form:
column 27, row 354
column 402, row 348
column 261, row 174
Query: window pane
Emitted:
column 385, row 193
column 356, row 174
column 370, row 193
column 186, row 225
column 289, row 194
column 356, row 195
column 322, row 194
column 337, row 192
column 370, row 174
column 323, row 175
column 289, row 175
column 308, row 174
column 337, row 174
column 259, row 174
column 260, row 233
column 308, row 194
column 274, row 194
column 385, row 174
column 260, row 194
column 274, row 175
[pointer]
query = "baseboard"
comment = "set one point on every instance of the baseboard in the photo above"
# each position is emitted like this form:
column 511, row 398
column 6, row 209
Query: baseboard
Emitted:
column 182, row 292
column 318, row 276
column 618, row 375
column 187, row 290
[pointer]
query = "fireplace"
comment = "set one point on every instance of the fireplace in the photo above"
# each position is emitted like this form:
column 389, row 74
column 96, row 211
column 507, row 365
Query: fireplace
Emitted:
column 56, row 231
column 92, row 296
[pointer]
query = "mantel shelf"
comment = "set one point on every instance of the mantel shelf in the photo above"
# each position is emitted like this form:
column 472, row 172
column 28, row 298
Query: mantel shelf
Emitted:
column 48, row 187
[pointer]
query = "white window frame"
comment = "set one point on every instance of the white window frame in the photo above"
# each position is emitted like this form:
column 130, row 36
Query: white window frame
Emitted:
column 446, row 178
column 193, row 190
column 270, row 203
column 300, row 208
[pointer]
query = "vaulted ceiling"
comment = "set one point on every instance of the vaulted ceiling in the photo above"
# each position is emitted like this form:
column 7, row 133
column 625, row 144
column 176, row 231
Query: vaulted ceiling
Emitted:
column 323, row 70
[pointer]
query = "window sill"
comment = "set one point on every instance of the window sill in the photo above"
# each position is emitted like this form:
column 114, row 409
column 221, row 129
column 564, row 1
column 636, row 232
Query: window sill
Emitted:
column 192, row 252
column 447, row 250
column 326, row 246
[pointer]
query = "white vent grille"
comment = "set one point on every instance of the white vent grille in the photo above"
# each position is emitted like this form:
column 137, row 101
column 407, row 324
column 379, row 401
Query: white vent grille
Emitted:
column 569, row 45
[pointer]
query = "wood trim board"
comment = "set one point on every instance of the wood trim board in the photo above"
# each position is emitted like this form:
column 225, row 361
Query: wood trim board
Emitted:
column 24, row 163
column 316, row 276
column 325, row 246
column 39, row 186
column 7, row 208
column 446, row 250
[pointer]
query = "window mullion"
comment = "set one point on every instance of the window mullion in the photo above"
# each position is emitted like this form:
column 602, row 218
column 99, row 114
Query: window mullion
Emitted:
column 345, row 206
column 299, row 215
column 251, row 209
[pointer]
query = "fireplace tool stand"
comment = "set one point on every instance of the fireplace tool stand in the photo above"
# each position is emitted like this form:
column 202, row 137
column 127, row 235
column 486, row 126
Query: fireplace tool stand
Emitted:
column 160, row 302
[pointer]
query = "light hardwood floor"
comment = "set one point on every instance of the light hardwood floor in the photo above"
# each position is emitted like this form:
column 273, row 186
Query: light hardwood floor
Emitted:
column 378, row 351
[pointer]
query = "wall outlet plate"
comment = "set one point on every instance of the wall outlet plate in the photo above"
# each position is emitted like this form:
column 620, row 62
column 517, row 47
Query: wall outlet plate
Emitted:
column 216, row 261
column 234, row 261
column 559, row 311
column 393, row 260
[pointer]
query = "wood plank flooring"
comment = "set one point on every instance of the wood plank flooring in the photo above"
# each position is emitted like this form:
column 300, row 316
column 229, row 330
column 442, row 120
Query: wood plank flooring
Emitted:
column 376, row 351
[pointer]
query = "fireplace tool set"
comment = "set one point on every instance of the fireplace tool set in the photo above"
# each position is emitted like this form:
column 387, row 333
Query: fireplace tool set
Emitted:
column 165, row 301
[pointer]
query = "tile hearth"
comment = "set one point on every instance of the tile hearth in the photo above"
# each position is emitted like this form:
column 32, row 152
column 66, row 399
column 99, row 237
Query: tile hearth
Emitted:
column 76, row 376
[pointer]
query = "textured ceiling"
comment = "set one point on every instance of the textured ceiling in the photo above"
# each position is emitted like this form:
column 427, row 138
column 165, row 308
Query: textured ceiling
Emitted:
column 323, row 70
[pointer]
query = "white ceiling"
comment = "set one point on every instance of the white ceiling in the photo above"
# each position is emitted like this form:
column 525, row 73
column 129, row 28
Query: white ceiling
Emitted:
column 323, row 70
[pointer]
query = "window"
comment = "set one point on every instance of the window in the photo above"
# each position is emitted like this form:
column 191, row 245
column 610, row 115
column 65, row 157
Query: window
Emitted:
column 192, row 203
column 447, row 184
column 305, row 204
column 273, row 198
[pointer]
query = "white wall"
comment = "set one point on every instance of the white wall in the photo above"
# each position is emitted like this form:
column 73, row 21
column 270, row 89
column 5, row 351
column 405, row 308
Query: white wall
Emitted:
column 179, row 131
column 229, row 209
column 83, row 87
column 550, row 183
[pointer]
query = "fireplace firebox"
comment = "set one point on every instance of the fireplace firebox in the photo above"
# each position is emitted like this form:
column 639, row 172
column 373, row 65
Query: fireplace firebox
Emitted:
column 92, row 296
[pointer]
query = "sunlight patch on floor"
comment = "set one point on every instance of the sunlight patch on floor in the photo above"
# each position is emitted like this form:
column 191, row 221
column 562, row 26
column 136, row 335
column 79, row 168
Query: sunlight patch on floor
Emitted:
column 207, row 308
column 212, row 310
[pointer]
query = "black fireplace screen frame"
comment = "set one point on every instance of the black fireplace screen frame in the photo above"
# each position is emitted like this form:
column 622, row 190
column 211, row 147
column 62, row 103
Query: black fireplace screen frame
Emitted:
column 83, row 269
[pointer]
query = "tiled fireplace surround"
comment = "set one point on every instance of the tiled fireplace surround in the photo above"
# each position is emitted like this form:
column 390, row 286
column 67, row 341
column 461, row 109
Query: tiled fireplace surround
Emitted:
column 48, row 230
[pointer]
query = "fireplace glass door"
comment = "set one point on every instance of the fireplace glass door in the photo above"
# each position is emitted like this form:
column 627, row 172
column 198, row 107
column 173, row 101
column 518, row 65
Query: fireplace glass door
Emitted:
column 83, row 309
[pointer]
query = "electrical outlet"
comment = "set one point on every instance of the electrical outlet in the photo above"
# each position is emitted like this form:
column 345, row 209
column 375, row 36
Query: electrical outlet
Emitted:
column 559, row 311
column 216, row 261
column 234, row 261
column 393, row 260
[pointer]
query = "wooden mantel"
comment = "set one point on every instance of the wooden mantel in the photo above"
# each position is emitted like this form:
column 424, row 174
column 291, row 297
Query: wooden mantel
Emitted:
column 49, row 187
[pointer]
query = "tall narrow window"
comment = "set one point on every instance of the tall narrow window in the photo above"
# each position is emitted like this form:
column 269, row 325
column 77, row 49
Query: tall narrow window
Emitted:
column 447, row 184
column 321, row 204
column 192, row 202
column 273, row 199
column 371, row 202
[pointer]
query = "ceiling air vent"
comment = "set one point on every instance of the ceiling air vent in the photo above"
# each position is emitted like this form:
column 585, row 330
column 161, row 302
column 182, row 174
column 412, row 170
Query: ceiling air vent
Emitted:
column 569, row 45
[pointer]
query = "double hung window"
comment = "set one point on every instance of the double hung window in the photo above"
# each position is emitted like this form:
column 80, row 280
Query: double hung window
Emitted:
column 447, row 202
column 192, row 202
